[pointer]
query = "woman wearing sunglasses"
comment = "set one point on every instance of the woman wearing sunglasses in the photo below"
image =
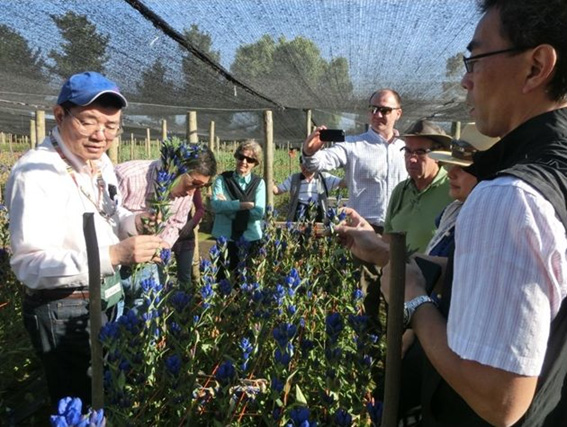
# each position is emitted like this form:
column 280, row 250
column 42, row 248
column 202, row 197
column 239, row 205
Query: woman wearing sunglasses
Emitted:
column 239, row 204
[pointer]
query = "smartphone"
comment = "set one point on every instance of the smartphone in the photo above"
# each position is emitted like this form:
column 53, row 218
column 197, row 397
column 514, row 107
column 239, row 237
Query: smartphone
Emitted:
column 431, row 271
column 332, row 135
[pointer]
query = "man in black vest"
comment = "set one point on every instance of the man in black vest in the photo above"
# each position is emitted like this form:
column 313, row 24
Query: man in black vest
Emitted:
column 499, row 355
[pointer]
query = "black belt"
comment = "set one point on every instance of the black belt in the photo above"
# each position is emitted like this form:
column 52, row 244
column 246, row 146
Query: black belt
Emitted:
column 57, row 294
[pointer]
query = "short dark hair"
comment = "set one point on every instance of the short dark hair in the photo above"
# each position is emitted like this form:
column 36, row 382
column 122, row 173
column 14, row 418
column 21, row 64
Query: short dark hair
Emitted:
column 530, row 23
column 392, row 91
column 205, row 164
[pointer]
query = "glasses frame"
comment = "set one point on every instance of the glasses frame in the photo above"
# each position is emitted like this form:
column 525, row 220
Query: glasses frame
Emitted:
column 240, row 157
column 385, row 111
column 469, row 61
column 108, row 133
column 422, row 152
column 199, row 186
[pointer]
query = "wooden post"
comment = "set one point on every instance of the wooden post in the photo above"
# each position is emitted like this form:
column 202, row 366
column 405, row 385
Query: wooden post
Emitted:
column 163, row 130
column 192, row 135
column 218, row 144
column 394, row 329
column 308, row 120
column 456, row 130
column 33, row 135
column 212, row 136
column 11, row 146
column 269, row 156
column 40, row 125
column 2, row 138
column 113, row 151
column 148, row 144
column 132, row 146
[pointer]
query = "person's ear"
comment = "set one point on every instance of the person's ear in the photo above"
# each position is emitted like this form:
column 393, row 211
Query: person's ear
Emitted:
column 542, row 59
column 58, row 113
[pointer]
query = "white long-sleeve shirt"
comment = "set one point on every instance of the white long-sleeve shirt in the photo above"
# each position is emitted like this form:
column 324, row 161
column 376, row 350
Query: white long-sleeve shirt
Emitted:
column 46, row 210
column 373, row 167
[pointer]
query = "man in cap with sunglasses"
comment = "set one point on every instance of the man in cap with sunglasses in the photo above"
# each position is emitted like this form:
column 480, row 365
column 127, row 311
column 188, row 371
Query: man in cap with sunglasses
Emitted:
column 48, row 191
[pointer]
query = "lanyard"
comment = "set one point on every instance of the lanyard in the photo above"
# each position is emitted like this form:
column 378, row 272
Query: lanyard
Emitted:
column 99, row 182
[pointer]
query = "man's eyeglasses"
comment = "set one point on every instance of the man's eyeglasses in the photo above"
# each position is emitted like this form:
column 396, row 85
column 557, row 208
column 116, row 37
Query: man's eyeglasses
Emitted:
column 420, row 152
column 382, row 110
column 471, row 60
column 87, row 127
column 242, row 157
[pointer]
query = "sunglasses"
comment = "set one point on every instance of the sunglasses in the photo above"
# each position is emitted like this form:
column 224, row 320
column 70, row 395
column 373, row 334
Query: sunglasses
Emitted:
column 197, row 184
column 382, row 110
column 242, row 157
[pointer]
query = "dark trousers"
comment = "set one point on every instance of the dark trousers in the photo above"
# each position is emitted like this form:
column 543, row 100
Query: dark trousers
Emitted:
column 238, row 257
column 184, row 258
column 59, row 331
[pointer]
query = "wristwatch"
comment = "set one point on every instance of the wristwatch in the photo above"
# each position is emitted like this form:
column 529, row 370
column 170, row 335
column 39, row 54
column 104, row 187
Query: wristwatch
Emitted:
column 411, row 306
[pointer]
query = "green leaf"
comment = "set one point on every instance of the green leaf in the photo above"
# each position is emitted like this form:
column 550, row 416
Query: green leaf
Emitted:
column 299, row 397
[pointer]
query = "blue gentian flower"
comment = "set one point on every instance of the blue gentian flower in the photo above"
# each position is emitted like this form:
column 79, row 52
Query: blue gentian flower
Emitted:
column 173, row 364
column 343, row 418
column 225, row 372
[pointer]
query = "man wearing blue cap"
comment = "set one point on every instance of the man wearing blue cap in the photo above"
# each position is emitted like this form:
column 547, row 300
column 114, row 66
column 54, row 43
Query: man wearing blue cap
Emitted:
column 48, row 191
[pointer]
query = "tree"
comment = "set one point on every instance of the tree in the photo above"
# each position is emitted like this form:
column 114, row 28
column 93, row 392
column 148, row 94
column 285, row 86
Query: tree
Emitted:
column 18, row 59
column 255, row 60
column 154, row 87
column 293, row 71
column 454, row 69
column 200, row 80
column 83, row 49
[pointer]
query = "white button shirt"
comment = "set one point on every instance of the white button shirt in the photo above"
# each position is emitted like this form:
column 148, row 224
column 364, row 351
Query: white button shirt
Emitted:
column 46, row 218
column 373, row 167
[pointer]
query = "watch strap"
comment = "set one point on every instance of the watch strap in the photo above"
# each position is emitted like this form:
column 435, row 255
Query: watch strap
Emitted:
column 411, row 306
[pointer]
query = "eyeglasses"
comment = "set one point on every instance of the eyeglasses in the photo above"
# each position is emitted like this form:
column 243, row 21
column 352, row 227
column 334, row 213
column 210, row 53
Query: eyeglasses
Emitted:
column 87, row 127
column 200, row 184
column 420, row 152
column 241, row 157
column 470, row 61
column 382, row 110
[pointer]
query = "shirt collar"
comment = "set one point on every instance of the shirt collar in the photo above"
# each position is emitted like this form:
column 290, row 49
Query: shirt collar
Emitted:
column 242, row 179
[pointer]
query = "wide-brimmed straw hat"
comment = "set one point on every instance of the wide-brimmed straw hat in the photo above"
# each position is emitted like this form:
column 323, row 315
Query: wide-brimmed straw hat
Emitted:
column 461, row 154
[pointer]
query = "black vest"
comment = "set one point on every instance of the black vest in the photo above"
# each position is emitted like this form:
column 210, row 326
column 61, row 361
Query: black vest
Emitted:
column 240, row 222
column 535, row 152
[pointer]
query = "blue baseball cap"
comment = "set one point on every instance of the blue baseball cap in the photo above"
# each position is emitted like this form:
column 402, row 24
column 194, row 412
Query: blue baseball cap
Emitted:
column 83, row 88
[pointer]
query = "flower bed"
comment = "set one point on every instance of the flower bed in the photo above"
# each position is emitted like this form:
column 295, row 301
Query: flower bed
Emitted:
column 282, row 342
